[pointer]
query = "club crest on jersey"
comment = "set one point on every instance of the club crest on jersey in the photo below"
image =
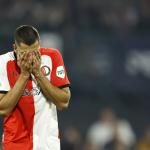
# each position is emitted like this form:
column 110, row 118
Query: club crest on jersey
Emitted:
column 60, row 72
column 45, row 70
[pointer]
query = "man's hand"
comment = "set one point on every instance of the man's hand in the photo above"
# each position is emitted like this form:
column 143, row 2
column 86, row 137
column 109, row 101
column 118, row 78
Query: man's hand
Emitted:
column 24, row 61
column 36, row 63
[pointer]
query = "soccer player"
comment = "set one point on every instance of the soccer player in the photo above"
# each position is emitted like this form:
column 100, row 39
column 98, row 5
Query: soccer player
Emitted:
column 33, row 83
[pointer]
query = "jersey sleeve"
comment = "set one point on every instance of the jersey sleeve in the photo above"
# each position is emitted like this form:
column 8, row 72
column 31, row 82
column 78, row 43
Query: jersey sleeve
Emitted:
column 59, row 75
column 4, row 83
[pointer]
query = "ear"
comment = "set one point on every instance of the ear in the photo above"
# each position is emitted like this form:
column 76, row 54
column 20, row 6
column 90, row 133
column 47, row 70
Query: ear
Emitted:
column 14, row 46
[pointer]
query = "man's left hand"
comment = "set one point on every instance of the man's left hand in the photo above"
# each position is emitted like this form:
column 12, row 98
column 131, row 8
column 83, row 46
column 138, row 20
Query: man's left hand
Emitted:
column 36, row 63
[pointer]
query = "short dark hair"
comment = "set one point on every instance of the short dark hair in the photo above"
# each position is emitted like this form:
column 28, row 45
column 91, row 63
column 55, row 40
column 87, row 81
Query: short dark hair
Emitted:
column 26, row 34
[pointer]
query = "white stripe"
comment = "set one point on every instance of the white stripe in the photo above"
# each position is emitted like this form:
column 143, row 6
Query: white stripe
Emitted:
column 4, row 83
column 45, row 127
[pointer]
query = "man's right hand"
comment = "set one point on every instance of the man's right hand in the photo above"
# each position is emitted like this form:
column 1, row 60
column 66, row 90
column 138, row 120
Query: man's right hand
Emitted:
column 25, row 63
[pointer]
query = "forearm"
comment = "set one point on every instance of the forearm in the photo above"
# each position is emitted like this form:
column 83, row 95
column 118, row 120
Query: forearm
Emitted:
column 9, row 101
column 59, row 97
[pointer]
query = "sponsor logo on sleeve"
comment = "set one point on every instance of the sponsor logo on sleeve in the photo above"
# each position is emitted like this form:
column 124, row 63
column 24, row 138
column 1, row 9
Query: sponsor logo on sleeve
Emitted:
column 60, row 72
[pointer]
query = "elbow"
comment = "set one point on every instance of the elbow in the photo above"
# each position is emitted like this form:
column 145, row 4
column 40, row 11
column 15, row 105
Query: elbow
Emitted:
column 63, row 105
column 65, row 102
column 4, row 113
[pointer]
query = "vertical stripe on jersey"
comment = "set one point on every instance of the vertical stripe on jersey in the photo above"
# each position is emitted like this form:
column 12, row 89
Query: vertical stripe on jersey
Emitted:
column 45, row 128
column 4, row 83
column 21, row 118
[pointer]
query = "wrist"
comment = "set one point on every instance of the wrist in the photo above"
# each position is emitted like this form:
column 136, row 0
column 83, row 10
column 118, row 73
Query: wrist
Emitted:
column 25, row 75
column 38, row 74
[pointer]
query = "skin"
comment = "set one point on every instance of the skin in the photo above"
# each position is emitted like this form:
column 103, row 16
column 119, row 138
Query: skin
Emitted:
column 29, row 62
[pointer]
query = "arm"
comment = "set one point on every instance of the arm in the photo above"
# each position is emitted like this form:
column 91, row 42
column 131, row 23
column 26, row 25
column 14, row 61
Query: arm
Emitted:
column 8, row 101
column 60, row 97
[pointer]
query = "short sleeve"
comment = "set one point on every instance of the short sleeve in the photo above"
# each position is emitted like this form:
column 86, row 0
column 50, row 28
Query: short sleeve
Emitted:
column 4, row 83
column 59, row 76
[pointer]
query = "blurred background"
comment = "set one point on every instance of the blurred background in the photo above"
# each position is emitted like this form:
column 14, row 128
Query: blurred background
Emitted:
column 106, row 48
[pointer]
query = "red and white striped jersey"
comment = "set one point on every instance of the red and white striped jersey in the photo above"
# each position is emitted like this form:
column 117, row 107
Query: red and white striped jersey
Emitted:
column 32, row 125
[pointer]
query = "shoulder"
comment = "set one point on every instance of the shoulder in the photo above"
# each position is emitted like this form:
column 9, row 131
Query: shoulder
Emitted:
column 4, row 58
column 52, row 52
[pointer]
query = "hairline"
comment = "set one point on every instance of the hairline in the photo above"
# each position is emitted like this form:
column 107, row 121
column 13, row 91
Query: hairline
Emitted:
column 19, row 28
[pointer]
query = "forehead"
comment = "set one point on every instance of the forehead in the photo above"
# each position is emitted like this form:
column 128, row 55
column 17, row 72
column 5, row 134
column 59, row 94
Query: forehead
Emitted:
column 22, row 47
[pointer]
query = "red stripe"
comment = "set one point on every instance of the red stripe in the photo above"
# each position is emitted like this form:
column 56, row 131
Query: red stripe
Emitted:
column 18, row 126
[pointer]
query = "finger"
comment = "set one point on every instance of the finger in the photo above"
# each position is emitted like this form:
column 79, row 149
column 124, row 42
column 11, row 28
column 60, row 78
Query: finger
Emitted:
column 26, row 65
column 18, row 56
column 22, row 55
column 36, row 63
column 30, row 55
column 22, row 58
column 18, row 63
column 37, row 54
column 26, row 55
column 25, row 60
column 28, row 58
column 36, row 59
